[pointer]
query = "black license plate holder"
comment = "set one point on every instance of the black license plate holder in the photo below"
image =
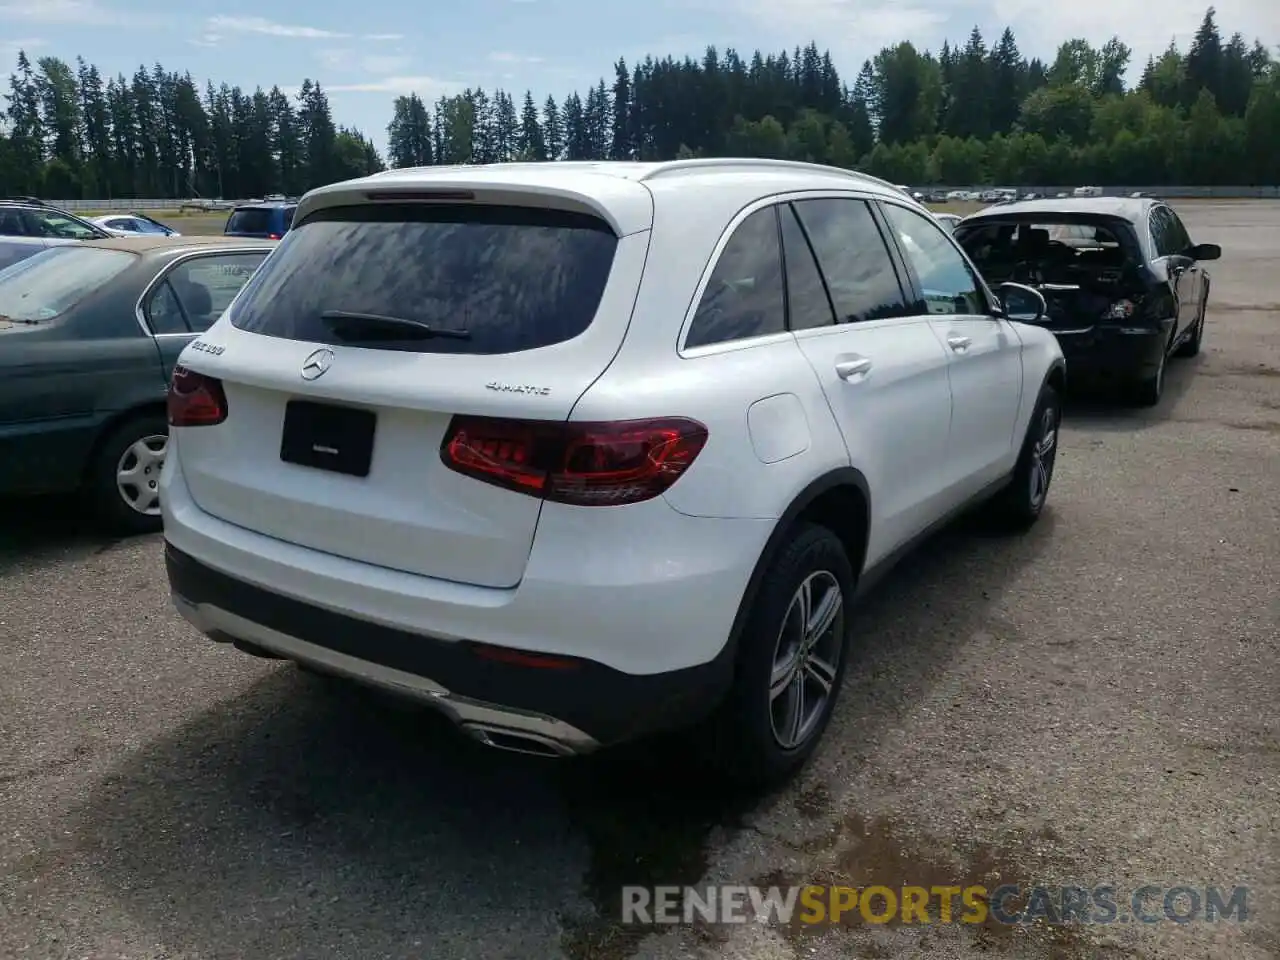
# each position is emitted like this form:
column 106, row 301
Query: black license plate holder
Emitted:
column 329, row 437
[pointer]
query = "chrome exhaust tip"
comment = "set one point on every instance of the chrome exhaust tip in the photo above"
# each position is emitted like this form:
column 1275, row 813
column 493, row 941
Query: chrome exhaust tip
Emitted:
column 517, row 741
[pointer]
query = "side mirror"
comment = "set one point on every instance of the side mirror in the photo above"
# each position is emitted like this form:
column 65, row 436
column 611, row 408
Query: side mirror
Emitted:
column 1204, row 251
column 1021, row 302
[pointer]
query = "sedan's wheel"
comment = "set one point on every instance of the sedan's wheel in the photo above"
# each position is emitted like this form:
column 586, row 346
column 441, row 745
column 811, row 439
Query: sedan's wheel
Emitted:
column 138, row 474
column 124, row 477
column 790, row 662
column 1147, row 393
column 1020, row 503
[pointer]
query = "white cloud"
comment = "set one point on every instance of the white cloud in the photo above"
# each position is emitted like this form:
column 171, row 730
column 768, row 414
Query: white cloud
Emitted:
column 206, row 40
column 9, row 48
column 80, row 13
column 500, row 56
column 269, row 28
column 429, row 88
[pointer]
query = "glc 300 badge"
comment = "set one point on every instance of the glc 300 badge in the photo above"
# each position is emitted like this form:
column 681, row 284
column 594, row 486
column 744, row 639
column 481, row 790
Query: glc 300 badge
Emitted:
column 518, row 388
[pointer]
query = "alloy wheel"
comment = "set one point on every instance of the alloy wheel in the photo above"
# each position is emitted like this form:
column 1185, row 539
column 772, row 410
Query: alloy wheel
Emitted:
column 806, row 659
column 1043, row 453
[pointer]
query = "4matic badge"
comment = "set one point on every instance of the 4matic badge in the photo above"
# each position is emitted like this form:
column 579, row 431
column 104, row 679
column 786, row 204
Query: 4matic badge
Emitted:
column 518, row 388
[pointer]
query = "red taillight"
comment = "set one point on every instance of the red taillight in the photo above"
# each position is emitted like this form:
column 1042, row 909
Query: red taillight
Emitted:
column 586, row 464
column 195, row 400
column 273, row 236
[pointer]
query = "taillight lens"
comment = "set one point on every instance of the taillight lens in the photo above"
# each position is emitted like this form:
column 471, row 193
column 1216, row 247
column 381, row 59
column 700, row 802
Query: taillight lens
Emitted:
column 195, row 400
column 586, row 464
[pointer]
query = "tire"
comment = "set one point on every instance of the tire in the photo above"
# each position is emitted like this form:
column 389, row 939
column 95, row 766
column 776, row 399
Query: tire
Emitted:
column 137, row 443
column 1148, row 391
column 1020, row 504
column 1191, row 347
column 751, row 742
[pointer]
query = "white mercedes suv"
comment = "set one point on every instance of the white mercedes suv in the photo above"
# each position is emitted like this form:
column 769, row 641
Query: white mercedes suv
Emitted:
column 579, row 452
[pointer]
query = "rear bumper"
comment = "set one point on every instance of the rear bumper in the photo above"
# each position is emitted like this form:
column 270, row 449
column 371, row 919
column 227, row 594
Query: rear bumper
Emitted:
column 1103, row 353
column 646, row 633
column 567, row 709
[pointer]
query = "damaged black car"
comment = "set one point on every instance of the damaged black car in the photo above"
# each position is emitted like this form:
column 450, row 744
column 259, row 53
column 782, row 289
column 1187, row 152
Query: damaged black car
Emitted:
column 1123, row 282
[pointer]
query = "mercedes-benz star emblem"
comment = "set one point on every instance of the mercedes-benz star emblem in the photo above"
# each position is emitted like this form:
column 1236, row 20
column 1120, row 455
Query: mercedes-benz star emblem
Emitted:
column 317, row 363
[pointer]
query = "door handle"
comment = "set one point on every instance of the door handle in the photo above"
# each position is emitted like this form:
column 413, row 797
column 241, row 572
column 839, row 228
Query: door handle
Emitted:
column 959, row 344
column 848, row 369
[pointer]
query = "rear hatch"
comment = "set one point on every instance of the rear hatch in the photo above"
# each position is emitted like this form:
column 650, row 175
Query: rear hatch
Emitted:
column 266, row 223
column 1089, row 268
column 527, row 307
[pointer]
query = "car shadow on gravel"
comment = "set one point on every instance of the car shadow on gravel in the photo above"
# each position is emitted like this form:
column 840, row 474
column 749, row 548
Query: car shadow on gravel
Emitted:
column 1105, row 408
column 308, row 818
column 38, row 530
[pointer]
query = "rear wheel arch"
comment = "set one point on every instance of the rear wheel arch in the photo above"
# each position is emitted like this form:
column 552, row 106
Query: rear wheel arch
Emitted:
column 841, row 502
column 112, row 424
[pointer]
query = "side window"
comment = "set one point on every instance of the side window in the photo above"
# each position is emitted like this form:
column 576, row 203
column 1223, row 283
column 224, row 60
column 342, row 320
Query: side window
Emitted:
column 163, row 311
column 1178, row 236
column 854, row 259
column 744, row 296
column 58, row 225
column 1161, row 232
column 948, row 284
column 205, row 286
column 808, row 305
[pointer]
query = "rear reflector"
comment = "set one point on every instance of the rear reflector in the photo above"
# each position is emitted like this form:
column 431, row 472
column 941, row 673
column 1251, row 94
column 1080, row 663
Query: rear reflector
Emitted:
column 585, row 464
column 195, row 400
column 522, row 658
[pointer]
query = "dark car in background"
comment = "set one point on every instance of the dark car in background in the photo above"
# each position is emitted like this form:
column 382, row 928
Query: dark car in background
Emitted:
column 269, row 220
column 1124, row 283
column 89, row 334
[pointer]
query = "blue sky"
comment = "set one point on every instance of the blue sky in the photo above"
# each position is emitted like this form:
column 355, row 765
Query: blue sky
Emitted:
column 366, row 53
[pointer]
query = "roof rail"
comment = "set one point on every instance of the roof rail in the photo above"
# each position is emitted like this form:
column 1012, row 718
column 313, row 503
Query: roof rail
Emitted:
column 760, row 163
column 33, row 201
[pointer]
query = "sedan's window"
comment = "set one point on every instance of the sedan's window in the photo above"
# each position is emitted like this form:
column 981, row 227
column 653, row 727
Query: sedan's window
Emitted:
column 51, row 224
column 51, row 283
column 854, row 259
column 164, row 313
column 205, row 286
column 744, row 296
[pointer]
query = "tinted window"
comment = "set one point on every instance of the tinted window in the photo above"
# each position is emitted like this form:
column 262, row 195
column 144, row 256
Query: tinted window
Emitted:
column 808, row 305
column 854, row 259
column 164, row 313
column 286, row 217
column 744, row 296
column 1161, row 232
column 12, row 223
column 205, row 286
column 513, row 278
column 949, row 286
column 50, row 224
column 1178, row 236
column 54, row 281
column 256, row 220
column 123, row 225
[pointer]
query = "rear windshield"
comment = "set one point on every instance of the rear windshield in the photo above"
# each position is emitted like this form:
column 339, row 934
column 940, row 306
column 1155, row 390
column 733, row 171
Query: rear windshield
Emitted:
column 511, row 278
column 54, row 281
column 253, row 220
column 997, row 247
column 11, row 253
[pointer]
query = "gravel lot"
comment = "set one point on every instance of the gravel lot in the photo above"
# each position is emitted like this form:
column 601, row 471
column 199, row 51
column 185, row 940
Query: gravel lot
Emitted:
column 1095, row 701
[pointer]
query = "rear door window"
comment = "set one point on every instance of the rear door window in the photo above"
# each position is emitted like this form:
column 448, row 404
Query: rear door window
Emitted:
column 854, row 259
column 808, row 305
column 743, row 298
column 501, row 279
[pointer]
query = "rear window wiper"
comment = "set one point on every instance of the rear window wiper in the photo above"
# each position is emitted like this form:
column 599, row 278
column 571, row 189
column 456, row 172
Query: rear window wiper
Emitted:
column 353, row 326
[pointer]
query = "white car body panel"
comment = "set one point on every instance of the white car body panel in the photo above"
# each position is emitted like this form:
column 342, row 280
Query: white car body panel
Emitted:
column 645, row 588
